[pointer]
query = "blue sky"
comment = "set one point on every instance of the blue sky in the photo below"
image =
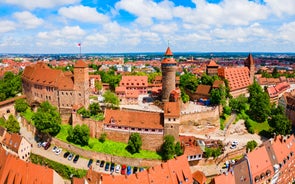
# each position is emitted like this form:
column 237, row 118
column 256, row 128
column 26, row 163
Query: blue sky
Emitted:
column 116, row 26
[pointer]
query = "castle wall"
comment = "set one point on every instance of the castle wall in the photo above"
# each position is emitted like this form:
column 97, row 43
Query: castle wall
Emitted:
column 210, row 117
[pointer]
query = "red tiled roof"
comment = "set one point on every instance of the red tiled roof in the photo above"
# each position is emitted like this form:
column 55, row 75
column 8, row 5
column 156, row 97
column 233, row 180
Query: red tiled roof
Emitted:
column 199, row 177
column 16, row 171
column 222, row 179
column 11, row 100
column 137, row 81
column 171, row 109
column 217, row 83
column 80, row 64
column 238, row 77
column 134, row 118
column 259, row 162
column 12, row 141
column 168, row 52
column 203, row 89
column 212, row 63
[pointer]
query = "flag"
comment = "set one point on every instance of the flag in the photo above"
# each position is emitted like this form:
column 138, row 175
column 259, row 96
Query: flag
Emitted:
column 79, row 44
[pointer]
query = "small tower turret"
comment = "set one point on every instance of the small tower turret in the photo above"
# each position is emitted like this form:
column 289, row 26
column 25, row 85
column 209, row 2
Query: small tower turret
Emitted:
column 249, row 62
column 168, row 67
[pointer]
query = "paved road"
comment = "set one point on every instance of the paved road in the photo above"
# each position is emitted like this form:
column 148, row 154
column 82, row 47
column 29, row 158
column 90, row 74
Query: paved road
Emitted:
column 81, row 163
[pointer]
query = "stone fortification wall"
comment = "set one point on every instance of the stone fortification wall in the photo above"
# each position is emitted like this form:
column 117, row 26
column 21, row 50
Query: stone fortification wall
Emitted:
column 207, row 117
column 109, row 158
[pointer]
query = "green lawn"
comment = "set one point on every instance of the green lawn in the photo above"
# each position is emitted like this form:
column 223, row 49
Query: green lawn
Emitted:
column 108, row 147
column 259, row 127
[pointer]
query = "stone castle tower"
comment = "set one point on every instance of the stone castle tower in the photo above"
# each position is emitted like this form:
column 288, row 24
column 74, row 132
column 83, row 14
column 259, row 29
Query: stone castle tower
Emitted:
column 81, row 83
column 249, row 62
column 169, row 67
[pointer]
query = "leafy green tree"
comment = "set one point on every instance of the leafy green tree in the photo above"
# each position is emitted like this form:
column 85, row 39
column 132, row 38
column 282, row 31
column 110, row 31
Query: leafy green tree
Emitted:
column 102, row 137
column 111, row 98
column 168, row 147
column 134, row 143
column 278, row 121
column 251, row 145
column 217, row 96
column 207, row 80
column 94, row 108
column 239, row 104
column 178, row 149
column 79, row 135
column 10, row 85
column 275, row 73
column 259, row 103
column 227, row 110
column 184, row 96
column 189, row 81
column 47, row 119
column 21, row 105
column 12, row 124
column 84, row 112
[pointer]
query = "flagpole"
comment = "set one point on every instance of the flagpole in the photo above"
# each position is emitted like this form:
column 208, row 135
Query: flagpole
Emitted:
column 80, row 49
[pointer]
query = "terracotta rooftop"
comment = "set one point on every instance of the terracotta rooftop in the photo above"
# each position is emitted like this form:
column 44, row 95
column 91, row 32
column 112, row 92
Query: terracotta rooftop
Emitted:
column 138, row 81
column 11, row 100
column 212, row 63
column 199, row 177
column 12, row 141
column 133, row 118
column 217, row 83
column 80, row 64
column 168, row 52
column 238, row 77
column 16, row 171
column 171, row 109
column 41, row 74
column 203, row 89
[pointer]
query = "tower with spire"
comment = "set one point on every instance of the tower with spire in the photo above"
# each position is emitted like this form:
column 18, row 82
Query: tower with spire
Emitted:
column 168, row 67
column 249, row 62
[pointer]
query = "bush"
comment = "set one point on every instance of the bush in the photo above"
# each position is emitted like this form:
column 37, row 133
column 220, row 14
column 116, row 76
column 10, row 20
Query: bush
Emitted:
column 251, row 145
column 227, row 110
column 102, row 137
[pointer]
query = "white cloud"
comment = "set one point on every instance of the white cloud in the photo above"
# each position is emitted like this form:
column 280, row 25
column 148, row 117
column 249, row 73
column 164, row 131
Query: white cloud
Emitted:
column 6, row 26
column 27, row 19
column 72, row 33
column 96, row 39
column 83, row 14
column 32, row 4
column 165, row 28
column 147, row 8
column 280, row 7
column 287, row 32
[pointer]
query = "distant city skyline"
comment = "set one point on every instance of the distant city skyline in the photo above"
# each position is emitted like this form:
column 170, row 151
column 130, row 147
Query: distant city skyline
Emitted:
column 124, row 26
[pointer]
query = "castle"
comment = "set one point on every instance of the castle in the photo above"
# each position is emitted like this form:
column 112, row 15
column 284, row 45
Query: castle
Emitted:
column 62, row 89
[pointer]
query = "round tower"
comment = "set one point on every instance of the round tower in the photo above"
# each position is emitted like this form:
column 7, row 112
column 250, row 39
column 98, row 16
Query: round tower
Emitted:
column 168, row 67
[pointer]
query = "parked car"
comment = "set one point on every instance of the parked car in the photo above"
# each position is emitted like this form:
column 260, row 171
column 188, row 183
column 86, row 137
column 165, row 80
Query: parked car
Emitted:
column 43, row 144
column 235, row 143
column 58, row 151
column 123, row 170
column 97, row 162
column 102, row 163
column 233, row 146
column 141, row 169
column 47, row 145
column 135, row 169
column 129, row 170
column 76, row 158
column 89, row 163
column 107, row 167
column 66, row 154
column 118, row 168
column 112, row 167
column 70, row 157
column 54, row 148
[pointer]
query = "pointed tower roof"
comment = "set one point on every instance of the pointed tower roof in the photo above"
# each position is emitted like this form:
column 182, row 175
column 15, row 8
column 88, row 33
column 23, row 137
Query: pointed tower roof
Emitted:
column 168, row 52
column 212, row 63
column 168, row 59
column 81, row 64
column 250, row 60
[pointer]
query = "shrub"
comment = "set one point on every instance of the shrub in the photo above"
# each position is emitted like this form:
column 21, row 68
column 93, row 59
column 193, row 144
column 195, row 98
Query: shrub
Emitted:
column 102, row 137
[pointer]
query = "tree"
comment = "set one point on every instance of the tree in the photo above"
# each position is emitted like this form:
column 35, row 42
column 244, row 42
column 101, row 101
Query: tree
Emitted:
column 47, row 119
column 12, row 124
column 134, row 143
column 178, row 149
column 168, row 148
column 79, row 135
column 278, row 121
column 10, row 85
column 251, row 145
column 259, row 103
column 239, row 104
column 102, row 137
column 84, row 112
column 217, row 96
column 94, row 108
column 184, row 96
column 189, row 81
column 111, row 98
column 21, row 105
